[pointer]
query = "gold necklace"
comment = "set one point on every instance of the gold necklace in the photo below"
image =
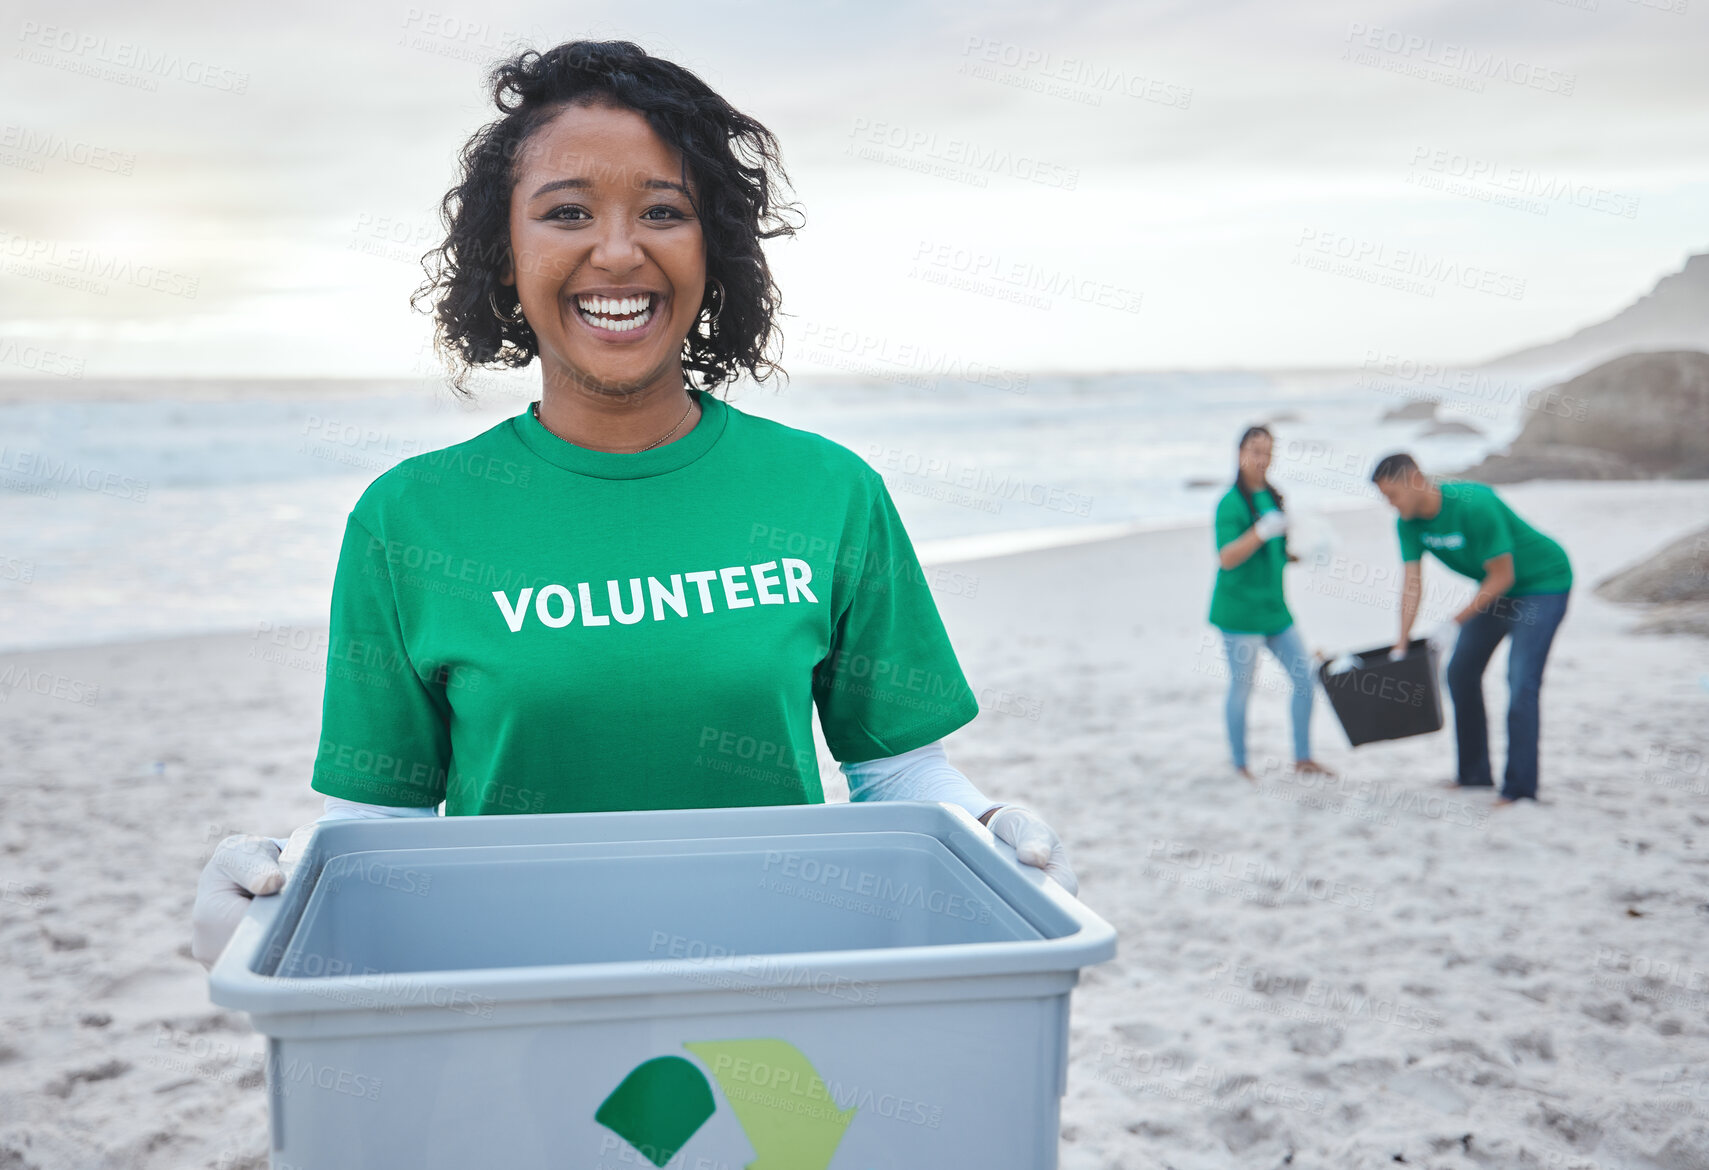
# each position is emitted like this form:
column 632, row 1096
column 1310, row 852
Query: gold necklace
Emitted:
column 534, row 408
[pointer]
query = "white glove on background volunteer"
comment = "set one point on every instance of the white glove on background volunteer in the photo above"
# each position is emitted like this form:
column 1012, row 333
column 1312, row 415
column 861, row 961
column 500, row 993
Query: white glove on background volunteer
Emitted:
column 1346, row 661
column 1271, row 525
column 1443, row 637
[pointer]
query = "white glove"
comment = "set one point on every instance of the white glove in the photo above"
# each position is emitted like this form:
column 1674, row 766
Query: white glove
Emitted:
column 1271, row 525
column 243, row 866
column 1035, row 843
column 1443, row 637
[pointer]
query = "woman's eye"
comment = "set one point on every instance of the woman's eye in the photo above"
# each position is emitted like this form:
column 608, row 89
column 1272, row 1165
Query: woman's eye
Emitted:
column 669, row 213
column 569, row 211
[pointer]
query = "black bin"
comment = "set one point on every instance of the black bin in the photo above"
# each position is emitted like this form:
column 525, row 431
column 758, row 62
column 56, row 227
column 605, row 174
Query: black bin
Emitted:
column 1379, row 699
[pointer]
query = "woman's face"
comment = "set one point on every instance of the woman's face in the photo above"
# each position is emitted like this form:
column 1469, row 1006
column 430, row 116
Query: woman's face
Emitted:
column 610, row 261
column 1255, row 457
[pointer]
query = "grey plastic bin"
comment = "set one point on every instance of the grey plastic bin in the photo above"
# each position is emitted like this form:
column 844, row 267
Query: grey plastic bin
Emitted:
column 817, row 987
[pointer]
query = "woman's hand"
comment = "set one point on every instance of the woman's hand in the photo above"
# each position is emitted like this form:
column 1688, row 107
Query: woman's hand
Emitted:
column 243, row 866
column 1271, row 524
column 1035, row 843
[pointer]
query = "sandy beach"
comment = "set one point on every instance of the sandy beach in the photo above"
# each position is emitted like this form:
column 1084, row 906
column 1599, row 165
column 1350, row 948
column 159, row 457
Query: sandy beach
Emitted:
column 1361, row 972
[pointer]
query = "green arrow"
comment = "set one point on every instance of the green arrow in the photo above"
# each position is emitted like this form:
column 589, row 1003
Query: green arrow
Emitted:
column 658, row 1107
column 780, row 1099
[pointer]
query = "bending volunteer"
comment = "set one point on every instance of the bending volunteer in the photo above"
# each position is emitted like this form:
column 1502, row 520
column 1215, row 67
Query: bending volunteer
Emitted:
column 1247, row 603
column 631, row 595
column 1523, row 580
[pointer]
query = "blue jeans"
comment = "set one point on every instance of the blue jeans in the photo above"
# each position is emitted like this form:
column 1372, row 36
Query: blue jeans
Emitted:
column 1531, row 623
column 1242, row 651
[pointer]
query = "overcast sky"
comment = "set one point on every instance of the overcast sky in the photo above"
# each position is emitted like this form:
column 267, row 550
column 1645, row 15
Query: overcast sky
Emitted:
column 1093, row 186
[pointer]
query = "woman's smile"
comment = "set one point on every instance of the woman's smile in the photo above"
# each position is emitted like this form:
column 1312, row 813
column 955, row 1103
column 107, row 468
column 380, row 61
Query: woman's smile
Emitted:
column 621, row 316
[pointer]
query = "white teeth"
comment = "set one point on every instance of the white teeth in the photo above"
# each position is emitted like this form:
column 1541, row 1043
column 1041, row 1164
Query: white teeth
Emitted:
column 613, row 306
column 603, row 312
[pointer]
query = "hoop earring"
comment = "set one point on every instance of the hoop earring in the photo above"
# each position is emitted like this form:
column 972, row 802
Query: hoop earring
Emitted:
column 722, row 297
column 515, row 318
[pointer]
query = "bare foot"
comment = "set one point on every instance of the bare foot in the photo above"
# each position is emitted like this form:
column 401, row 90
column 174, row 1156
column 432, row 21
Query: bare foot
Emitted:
column 1311, row 766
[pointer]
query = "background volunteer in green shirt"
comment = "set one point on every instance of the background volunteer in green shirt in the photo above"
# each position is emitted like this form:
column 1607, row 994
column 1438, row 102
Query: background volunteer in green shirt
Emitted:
column 1523, row 579
column 631, row 595
column 1247, row 603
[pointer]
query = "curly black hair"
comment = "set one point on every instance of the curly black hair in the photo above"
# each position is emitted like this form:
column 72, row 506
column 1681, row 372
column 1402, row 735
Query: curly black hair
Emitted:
column 733, row 161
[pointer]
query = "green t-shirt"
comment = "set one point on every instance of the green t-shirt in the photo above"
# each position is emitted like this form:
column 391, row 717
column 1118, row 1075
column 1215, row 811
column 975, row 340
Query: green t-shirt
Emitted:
column 1475, row 525
column 521, row 625
column 1247, row 599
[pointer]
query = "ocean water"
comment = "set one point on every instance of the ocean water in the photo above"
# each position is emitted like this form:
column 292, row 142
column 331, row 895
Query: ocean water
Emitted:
column 223, row 509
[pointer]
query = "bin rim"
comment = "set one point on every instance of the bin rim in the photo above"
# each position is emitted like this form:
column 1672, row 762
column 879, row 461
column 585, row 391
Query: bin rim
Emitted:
column 236, row 982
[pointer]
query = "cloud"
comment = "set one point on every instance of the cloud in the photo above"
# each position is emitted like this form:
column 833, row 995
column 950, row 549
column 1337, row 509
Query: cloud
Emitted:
column 1201, row 140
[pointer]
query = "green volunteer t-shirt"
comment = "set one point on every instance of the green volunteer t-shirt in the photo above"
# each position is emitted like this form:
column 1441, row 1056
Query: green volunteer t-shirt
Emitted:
column 1247, row 599
column 521, row 625
column 1475, row 525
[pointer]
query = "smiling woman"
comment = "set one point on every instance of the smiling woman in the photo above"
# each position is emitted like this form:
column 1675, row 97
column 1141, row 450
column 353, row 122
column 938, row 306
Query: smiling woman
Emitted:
column 611, row 175
column 610, row 223
column 608, row 261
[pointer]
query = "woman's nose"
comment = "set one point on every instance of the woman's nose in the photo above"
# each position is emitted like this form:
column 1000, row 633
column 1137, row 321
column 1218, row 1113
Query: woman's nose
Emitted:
column 616, row 247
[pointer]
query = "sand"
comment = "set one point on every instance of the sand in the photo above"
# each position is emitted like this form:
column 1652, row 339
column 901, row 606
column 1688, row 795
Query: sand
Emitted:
column 1366, row 972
